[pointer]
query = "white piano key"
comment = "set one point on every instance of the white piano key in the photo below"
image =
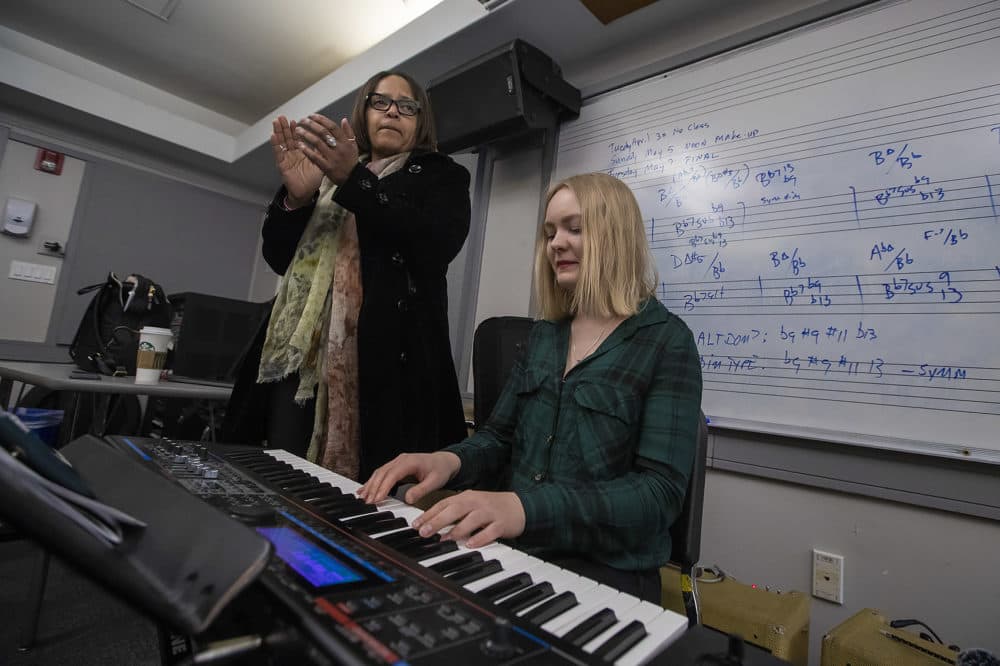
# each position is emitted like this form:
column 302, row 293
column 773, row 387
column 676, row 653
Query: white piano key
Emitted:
column 663, row 630
column 643, row 612
column 590, row 602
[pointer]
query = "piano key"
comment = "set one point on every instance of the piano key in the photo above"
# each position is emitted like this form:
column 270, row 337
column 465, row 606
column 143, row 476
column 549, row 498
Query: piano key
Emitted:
column 561, row 580
column 433, row 550
column 402, row 536
column 590, row 602
column 643, row 612
column 620, row 604
column 551, row 608
column 280, row 475
column 413, row 549
column 460, row 549
column 593, row 626
column 381, row 527
column 513, row 561
column 455, row 563
column 321, row 492
column 666, row 628
column 621, row 641
column 473, row 573
column 371, row 519
column 506, row 587
column 527, row 597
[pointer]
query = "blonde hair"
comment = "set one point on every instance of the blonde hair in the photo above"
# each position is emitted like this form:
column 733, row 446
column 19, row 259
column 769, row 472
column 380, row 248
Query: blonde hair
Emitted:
column 616, row 271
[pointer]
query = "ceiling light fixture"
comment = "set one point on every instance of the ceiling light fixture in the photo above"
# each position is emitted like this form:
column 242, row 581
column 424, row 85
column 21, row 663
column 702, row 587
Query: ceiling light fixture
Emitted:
column 161, row 9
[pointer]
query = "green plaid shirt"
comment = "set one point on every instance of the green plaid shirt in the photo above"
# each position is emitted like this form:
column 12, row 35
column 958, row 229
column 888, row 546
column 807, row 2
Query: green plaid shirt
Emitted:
column 601, row 458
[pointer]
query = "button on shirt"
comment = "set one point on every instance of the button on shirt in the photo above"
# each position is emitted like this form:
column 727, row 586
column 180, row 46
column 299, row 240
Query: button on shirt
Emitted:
column 611, row 479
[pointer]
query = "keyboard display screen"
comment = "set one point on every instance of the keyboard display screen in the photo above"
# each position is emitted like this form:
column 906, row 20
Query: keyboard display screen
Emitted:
column 309, row 560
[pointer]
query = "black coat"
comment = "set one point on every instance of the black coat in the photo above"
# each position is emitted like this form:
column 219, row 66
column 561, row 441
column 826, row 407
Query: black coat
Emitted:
column 411, row 224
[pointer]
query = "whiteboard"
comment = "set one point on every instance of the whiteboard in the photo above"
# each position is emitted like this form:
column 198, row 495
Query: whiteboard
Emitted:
column 823, row 210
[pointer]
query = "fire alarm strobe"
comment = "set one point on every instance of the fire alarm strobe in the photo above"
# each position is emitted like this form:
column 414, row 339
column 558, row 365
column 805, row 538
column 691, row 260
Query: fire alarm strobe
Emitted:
column 49, row 161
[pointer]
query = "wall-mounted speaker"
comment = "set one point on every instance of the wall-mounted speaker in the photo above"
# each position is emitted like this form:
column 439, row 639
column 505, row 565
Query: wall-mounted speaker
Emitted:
column 506, row 92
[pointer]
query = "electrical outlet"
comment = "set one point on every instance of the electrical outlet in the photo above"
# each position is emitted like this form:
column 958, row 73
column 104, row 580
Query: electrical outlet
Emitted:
column 828, row 576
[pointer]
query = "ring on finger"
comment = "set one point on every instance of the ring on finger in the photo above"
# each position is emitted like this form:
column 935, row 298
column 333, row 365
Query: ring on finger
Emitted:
column 282, row 147
column 330, row 141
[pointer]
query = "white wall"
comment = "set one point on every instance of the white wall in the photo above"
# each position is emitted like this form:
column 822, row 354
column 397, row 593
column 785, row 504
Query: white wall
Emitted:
column 906, row 561
column 505, row 275
column 26, row 307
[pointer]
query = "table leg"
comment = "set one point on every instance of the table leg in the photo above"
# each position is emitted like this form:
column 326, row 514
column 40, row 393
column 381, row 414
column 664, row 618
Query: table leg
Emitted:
column 36, row 592
column 211, row 421
column 66, row 431
column 100, row 423
column 5, row 387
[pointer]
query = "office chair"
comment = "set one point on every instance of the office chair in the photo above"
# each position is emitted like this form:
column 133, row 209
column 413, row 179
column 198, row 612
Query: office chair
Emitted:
column 685, row 533
column 497, row 344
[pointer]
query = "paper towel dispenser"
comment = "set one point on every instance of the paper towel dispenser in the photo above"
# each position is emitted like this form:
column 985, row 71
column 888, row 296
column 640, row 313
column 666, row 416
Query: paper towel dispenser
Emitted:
column 18, row 217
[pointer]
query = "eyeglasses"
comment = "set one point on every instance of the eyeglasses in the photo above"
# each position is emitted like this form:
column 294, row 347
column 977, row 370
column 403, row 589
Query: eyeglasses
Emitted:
column 380, row 102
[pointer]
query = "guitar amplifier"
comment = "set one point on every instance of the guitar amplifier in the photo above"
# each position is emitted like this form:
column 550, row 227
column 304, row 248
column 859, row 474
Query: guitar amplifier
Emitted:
column 775, row 621
column 867, row 639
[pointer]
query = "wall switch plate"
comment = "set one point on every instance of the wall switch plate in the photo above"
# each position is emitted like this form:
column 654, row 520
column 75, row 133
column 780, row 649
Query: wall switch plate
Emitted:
column 828, row 576
column 22, row 270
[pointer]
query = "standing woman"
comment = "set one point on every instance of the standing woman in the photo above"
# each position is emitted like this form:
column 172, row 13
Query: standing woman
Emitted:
column 356, row 365
column 599, row 423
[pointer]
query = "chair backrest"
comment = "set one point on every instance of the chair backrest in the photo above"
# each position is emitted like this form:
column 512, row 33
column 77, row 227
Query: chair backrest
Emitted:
column 685, row 533
column 498, row 343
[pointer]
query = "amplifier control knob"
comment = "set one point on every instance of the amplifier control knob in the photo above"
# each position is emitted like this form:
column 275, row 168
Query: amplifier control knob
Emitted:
column 499, row 645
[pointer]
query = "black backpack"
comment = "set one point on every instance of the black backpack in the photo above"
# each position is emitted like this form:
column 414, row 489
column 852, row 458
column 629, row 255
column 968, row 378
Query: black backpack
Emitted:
column 108, row 336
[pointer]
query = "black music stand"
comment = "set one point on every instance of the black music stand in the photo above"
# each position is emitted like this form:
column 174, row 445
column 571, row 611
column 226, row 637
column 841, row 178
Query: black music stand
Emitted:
column 180, row 562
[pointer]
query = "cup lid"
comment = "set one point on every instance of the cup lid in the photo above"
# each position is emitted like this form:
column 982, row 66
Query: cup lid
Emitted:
column 155, row 330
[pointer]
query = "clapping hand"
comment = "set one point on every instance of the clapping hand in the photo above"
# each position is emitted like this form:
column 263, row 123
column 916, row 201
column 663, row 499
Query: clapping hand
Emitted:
column 330, row 147
column 301, row 177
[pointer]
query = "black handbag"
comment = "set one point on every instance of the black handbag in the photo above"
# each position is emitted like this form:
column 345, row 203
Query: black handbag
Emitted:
column 108, row 336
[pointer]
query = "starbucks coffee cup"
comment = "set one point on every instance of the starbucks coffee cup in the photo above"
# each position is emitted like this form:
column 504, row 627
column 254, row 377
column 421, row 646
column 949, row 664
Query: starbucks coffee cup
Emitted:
column 152, row 355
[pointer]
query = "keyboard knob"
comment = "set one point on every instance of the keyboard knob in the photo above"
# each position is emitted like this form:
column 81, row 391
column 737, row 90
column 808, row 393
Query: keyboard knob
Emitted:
column 499, row 645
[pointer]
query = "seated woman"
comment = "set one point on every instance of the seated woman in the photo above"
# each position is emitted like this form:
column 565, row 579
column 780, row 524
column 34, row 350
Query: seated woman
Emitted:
column 598, row 424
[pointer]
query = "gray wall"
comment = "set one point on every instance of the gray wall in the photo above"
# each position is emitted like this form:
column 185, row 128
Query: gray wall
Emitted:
column 29, row 304
column 184, row 237
column 135, row 212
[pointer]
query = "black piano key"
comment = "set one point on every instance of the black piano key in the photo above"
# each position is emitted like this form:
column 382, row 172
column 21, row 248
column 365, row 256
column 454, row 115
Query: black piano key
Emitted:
column 399, row 537
column 379, row 517
column 280, row 476
column 554, row 607
column 334, row 501
column 527, row 597
column 433, row 550
column 322, row 491
column 506, row 587
column 475, row 572
column 621, row 642
column 591, row 628
column 272, row 466
column 357, row 508
column 376, row 528
column 295, row 489
column 445, row 567
column 246, row 455
column 417, row 546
